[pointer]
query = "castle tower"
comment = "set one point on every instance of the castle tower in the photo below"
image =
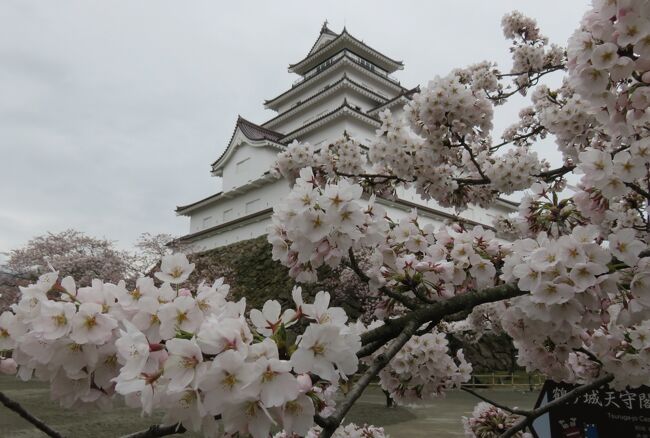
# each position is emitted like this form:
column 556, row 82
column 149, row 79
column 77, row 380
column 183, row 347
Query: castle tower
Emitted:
column 343, row 84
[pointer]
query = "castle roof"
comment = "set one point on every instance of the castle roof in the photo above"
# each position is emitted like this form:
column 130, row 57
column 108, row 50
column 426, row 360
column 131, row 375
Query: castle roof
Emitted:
column 253, row 131
column 342, row 41
column 272, row 103
column 345, row 81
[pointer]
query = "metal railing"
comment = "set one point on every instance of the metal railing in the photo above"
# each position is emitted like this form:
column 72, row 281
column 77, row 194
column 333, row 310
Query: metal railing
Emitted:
column 516, row 380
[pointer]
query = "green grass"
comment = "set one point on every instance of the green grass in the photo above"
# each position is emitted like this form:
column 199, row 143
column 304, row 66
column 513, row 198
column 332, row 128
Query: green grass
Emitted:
column 440, row 418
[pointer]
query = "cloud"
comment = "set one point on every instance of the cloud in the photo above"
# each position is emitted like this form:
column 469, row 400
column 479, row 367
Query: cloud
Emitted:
column 112, row 112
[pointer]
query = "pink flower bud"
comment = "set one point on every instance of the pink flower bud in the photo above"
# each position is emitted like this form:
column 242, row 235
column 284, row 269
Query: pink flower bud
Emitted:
column 184, row 293
column 304, row 383
column 8, row 366
column 156, row 347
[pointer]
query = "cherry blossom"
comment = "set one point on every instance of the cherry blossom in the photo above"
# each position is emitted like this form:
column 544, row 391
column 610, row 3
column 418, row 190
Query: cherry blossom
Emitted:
column 566, row 277
column 175, row 268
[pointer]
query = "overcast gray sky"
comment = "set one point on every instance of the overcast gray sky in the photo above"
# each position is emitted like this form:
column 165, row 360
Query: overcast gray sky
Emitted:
column 112, row 111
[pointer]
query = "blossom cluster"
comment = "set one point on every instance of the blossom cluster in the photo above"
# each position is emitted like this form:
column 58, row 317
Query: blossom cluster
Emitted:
column 582, row 310
column 318, row 225
column 530, row 51
column 440, row 146
column 566, row 115
column 343, row 156
column 488, row 421
column 578, row 263
column 348, row 431
column 424, row 369
column 445, row 261
column 192, row 354
column 577, row 259
column 609, row 64
column 542, row 210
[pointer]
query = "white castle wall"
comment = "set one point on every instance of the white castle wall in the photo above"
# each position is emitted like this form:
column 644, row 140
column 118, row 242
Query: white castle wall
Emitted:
column 239, row 206
column 246, row 164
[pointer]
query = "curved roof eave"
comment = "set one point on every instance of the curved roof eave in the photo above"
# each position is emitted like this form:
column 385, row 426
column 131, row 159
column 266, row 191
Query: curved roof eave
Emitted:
column 272, row 103
column 336, row 112
column 344, row 81
column 257, row 136
column 389, row 63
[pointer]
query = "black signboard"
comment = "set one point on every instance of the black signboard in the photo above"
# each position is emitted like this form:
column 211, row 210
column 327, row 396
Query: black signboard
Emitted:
column 599, row 413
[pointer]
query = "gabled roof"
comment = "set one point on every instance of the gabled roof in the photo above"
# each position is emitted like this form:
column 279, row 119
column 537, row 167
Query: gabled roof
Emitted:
column 405, row 96
column 271, row 103
column 345, row 81
column 253, row 217
column 266, row 177
column 325, row 36
column 257, row 134
column 345, row 108
column 344, row 39
column 183, row 208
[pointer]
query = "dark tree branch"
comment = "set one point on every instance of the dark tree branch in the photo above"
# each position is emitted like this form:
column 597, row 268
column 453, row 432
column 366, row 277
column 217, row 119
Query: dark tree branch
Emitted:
column 17, row 408
column 472, row 157
column 536, row 130
column 372, row 176
column 370, row 348
column 435, row 312
column 472, row 181
column 530, row 416
column 550, row 174
column 533, row 80
column 158, row 430
column 551, row 68
column 332, row 423
column 639, row 190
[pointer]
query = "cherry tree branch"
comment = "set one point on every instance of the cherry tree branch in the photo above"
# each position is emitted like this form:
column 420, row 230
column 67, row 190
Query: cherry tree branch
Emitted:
column 550, row 69
column 435, row 312
column 536, row 130
column 330, row 424
column 17, row 408
column 158, row 430
column 638, row 189
column 533, row 80
column 530, row 416
column 372, row 176
column 472, row 157
column 560, row 171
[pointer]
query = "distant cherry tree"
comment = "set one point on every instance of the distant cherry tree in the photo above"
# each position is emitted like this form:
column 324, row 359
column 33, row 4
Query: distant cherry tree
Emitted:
column 149, row 250
column 71, row 253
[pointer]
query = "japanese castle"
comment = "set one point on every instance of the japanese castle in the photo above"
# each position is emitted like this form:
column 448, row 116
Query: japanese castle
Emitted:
column 343, row 85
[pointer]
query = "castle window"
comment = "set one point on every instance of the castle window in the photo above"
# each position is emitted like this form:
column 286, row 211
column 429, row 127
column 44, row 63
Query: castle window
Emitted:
column 206, row 221
column 241, row 165
column 227, row 215
column 252, row 205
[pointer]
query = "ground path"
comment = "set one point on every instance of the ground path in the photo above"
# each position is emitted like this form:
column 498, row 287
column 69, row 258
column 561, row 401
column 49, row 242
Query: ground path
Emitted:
column 439, row 419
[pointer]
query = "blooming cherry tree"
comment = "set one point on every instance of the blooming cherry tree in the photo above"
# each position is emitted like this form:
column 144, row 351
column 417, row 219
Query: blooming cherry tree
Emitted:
column 567, row 278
